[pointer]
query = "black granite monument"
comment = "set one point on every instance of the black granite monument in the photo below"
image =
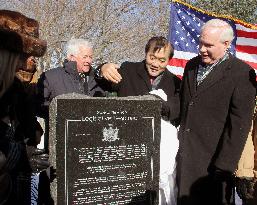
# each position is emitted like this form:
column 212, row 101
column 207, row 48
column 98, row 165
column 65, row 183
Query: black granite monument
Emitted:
column 105, row 150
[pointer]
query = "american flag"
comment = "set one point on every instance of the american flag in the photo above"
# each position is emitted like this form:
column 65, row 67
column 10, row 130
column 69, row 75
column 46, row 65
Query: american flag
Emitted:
column 185, row 24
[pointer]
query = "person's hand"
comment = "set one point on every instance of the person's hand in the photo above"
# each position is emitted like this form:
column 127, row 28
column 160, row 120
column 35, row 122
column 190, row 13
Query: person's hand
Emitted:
column 160, row 93
column 110, row 72
column 37, row 158
column 245, row 187
column 39, row 163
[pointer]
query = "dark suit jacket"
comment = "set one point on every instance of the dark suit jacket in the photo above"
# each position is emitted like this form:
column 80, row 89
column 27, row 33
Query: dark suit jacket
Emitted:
column 215, row 119
column 136, row 82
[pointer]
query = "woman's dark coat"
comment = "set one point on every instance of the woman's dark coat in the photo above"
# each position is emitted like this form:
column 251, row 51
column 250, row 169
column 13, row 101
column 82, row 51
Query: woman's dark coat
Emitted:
column 215, row 120
column 15, row 167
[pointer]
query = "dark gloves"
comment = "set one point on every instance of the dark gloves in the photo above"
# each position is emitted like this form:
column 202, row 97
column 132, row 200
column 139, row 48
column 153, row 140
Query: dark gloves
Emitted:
column 39, row 163
column 38, row 159
column 245, row 187
column 220, row 175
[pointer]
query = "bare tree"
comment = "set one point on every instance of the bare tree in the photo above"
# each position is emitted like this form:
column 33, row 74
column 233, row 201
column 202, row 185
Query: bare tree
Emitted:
column 119, row 29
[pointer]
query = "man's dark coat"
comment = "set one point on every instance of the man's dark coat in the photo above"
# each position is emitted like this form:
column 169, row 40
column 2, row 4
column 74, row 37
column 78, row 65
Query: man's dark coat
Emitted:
column 215, row 120
column 136, row 81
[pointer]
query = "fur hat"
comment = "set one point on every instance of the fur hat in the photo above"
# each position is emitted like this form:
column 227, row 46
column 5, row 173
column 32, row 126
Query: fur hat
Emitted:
column 19, row 33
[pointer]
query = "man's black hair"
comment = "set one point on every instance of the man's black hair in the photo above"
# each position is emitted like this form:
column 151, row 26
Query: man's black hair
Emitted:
column 157, row 43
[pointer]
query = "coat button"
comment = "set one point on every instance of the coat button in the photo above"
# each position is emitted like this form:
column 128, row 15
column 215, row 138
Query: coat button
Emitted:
column 188, row 130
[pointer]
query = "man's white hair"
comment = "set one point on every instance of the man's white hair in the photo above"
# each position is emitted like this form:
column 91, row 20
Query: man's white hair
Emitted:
column 226, row 34
column 73, row 46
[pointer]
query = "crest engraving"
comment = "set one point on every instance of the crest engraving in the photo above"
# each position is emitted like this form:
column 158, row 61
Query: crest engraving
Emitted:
column 110, row 134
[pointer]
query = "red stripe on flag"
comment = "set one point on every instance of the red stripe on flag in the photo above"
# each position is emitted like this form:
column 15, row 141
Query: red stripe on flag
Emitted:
column 182, row 63
column 246, row 34
column 247, row 49
column 178, row 62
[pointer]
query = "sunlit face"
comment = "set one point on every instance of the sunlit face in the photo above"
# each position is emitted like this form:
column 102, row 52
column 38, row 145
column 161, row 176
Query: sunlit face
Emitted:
column 84, row 59
column 156, row 62
column 211, row 48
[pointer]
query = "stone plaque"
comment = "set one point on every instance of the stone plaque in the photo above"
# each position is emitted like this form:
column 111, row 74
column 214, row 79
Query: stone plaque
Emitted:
column 105, row 150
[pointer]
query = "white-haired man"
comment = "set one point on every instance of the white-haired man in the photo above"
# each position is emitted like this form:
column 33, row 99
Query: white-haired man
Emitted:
column 217, row 102
column 75, row 76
